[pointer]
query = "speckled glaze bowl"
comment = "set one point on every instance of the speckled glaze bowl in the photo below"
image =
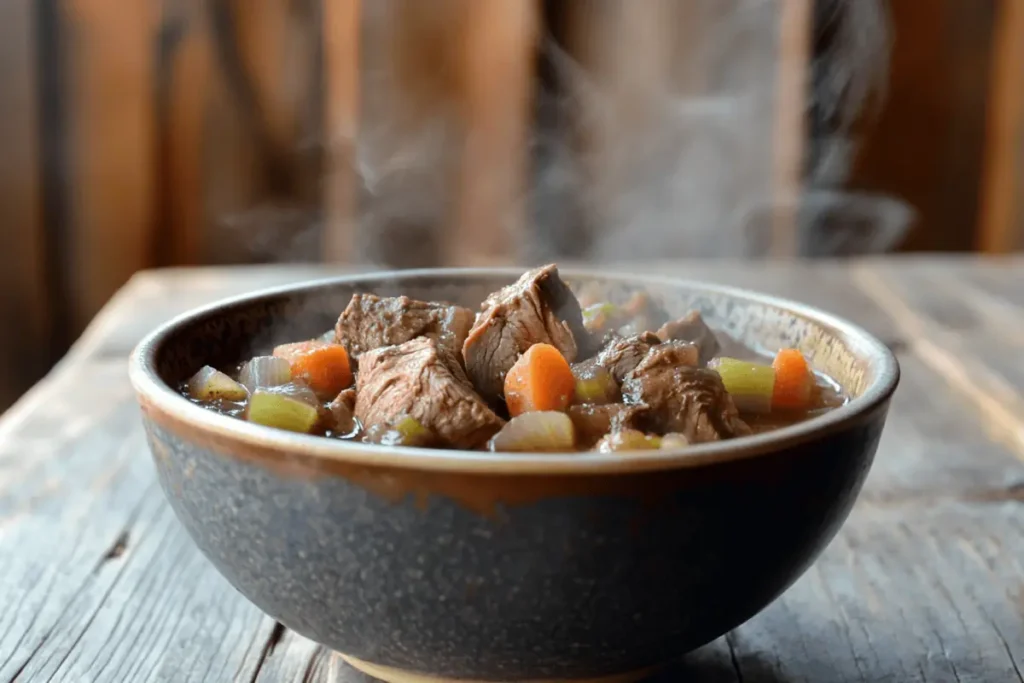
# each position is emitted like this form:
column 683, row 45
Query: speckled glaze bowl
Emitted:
column 430, row 565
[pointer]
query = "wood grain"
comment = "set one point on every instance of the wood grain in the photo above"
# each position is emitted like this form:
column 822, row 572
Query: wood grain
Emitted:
column 971, row 337
column 924, row 583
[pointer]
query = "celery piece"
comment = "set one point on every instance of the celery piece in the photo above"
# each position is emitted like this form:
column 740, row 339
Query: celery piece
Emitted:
column 276, row 409
column 750, row 384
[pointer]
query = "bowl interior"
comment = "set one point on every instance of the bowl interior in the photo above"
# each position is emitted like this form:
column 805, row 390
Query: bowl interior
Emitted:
column 226, row 334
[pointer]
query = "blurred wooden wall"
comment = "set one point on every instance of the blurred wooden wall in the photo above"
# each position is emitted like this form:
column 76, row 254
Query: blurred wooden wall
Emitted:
column 948, row 138
column 164, row 132
column 144, row 134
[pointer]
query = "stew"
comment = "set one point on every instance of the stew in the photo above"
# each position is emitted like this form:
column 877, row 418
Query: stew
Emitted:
column 537, row 369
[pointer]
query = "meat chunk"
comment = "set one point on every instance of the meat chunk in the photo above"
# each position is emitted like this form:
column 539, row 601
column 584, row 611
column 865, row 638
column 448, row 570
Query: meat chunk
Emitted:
column 418, row 379
column 681, row 398
column 342, row 412
column 593, row 422
column 692, row 328
column 370, row 321
column 538, row 308
column 621, row 354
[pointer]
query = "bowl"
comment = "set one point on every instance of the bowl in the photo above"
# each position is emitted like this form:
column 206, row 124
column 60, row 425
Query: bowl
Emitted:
column 419, row 564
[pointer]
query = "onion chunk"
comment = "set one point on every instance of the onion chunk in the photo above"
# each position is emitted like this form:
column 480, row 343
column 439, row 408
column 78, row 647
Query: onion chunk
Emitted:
column 545, row 431
column 210, row 384
column 263, row 372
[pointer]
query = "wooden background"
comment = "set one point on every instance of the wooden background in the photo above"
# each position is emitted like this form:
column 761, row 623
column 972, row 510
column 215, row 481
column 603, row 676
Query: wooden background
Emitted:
column 176, row 132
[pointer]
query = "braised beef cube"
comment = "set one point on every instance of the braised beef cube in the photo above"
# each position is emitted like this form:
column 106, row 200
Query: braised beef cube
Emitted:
column 538, row 308
column 682, row 398
column 370, row 321
column 419, row 379
column 593, row 422
column 693, row 329
column 342, row 410
column 620, row 355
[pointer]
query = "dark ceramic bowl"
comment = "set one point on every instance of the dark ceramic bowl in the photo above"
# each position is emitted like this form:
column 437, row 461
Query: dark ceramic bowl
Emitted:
column 463, row 565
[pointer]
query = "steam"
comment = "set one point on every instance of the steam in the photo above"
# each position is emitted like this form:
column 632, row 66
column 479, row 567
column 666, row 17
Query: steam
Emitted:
column 651, row 136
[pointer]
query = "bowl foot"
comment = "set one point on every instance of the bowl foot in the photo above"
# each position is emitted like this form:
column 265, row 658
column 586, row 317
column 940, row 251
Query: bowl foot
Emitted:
column 393, row 675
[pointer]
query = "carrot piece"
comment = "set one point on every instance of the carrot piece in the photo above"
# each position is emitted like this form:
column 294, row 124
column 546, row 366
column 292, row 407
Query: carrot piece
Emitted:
column 793, row 381
column 540, row 380
column 323, row 366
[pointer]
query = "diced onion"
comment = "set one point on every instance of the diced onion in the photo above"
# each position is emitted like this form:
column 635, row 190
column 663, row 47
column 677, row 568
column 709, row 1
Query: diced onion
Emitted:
column 750, row 384
column 210, row 384
column 277, row 409
column 265, row 371
column 628, row 440
column 538, row 431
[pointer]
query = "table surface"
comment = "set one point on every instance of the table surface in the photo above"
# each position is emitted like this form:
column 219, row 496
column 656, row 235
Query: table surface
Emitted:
column 99, row 582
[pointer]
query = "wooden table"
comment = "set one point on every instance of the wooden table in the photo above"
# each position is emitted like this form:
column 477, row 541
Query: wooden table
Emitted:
column 99, row 582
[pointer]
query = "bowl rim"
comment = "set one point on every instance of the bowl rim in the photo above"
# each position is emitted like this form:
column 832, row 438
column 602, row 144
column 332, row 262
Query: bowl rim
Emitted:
column 151, row 390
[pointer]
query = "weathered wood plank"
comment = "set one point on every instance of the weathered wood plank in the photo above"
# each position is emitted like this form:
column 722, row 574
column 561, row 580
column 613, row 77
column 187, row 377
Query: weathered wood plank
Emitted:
column 295, row 658
column 969, row 336
column 115, row 590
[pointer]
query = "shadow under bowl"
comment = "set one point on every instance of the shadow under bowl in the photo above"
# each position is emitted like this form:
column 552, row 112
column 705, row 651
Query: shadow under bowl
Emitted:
column 430, row 564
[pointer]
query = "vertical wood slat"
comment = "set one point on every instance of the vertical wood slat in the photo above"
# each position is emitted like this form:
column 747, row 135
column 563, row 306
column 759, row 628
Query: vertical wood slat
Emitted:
column 341, row 21
column 1001, row 218
column 261, row 159
column 111, row 154
column 499, row 39
column 407, row 153
column 25, row 312
column 628, row 69
column 793, row 55
column 924, row 145
column 183, row 73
